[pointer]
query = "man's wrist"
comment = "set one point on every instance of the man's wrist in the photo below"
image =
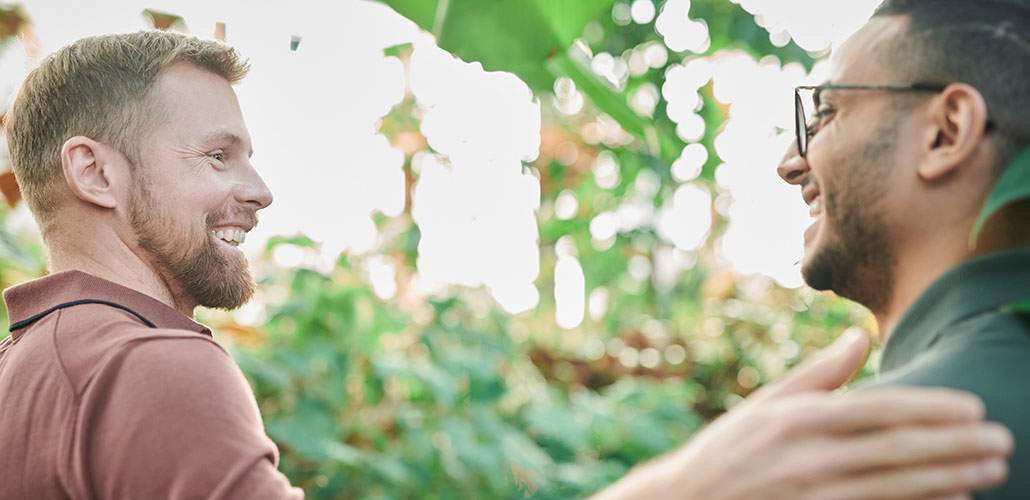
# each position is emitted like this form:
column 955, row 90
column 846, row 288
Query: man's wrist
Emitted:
column 667, row 476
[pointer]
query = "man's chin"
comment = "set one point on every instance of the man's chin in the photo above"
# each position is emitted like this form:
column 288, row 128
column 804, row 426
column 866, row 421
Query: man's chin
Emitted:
column 814, row 281
column 828, row 266
column 227, row 298
column 814, row 271
column 219, row 278
column 813, row 259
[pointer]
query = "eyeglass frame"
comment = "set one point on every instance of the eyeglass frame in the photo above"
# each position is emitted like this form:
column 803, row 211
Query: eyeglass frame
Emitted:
column 801, row 128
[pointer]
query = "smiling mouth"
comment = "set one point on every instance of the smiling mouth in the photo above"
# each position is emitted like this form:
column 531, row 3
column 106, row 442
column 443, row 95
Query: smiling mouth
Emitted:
column 815, row 207
column 815, row 210
column 232, row 236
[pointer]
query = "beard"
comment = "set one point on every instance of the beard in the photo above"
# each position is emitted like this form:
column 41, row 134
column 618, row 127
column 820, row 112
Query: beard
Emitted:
column 856, row 260
column 193, row 265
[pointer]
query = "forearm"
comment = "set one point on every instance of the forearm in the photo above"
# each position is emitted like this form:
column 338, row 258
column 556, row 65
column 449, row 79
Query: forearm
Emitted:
column 656, row 479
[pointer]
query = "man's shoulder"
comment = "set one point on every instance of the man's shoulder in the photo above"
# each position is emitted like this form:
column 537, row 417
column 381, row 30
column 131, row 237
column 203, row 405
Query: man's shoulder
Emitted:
column 89, row 338
column 165, row 371
column 164, row 354
column 990, row 357
column 986, row 356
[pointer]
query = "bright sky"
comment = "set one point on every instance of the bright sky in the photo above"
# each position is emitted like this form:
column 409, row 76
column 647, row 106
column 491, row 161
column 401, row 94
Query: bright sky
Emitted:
column 313, row 115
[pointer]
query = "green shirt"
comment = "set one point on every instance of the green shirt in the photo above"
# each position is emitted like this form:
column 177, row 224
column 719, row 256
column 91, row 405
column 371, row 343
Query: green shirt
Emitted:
column 960, row 334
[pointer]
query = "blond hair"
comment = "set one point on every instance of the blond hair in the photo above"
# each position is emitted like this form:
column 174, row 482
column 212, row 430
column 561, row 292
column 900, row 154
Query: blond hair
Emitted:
column 97, row 87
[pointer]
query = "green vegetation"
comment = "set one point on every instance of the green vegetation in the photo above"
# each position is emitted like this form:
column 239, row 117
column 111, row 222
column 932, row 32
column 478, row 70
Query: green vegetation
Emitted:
column 456, row 399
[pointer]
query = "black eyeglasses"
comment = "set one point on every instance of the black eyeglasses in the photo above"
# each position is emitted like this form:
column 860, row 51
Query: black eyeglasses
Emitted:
column 805, row 130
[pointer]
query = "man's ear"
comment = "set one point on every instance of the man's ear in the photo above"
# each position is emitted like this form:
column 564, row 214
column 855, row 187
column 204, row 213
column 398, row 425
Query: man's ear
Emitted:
column 958, row 119
column 87, row 172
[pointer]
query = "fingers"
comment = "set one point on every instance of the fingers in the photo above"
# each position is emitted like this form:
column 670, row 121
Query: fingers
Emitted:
column 910, row 446
column 918, row 482
column 829, row 369
column 885, row 408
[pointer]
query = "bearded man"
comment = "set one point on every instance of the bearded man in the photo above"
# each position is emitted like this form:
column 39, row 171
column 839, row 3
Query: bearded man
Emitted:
column 925, row 110
column 133, row 155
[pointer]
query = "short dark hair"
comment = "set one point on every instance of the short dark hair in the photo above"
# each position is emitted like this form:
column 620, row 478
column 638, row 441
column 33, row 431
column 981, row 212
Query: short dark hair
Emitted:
column 984, row 43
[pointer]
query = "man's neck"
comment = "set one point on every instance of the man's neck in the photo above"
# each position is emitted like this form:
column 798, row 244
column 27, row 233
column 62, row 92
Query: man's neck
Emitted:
column 116, row 263
column 914, row 272
column 932, row 255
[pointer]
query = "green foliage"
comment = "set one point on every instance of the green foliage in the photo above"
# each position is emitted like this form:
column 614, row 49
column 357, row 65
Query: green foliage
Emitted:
column 365, row 402
column 21, row 258
column 1021, row 307
column 532, row 39
column 445, row 399
column 505, row 35
column 1013, row 186
column 455, row 399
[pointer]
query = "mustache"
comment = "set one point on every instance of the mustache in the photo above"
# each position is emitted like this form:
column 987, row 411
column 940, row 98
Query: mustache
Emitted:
column 234, row 214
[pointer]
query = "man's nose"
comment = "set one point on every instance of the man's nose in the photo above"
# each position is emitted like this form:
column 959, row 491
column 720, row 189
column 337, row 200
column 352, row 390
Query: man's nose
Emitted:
column 252, row 190
column 793, row 168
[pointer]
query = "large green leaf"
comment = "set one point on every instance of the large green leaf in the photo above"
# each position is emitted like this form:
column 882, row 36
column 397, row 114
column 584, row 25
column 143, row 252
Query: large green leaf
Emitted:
column 505, row 35
column 1011, row 187
column 531, row 38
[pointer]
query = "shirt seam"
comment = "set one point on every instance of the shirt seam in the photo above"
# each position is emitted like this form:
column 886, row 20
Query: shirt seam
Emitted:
column 62, row 473
column 60, row 359
column 125, row 349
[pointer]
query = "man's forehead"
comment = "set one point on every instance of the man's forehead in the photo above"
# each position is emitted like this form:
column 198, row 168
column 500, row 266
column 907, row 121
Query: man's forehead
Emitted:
column 860, row 58
column 199, row 106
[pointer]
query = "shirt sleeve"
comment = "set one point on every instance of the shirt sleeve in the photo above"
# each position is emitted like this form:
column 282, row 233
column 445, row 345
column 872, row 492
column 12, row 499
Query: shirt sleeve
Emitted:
column 173, row 417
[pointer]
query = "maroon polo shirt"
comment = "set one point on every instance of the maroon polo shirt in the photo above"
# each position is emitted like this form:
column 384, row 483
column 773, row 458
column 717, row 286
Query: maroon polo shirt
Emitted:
column 107, row 393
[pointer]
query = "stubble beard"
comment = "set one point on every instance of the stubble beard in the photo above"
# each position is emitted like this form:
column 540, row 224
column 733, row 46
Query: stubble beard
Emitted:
column 857, row 261
column 200, row 270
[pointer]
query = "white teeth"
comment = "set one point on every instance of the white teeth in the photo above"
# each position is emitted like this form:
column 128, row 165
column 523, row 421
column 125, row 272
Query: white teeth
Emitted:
column 231, row 236
column 816, row 207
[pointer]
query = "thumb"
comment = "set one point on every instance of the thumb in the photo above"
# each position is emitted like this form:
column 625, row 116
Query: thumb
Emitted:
column 827, row 370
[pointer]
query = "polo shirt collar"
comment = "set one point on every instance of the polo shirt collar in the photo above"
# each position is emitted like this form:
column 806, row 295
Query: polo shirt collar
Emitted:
column 976, row 286
column 37, row 297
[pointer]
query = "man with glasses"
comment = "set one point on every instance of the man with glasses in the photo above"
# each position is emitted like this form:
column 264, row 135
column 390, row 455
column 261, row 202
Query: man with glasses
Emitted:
column 927, row 108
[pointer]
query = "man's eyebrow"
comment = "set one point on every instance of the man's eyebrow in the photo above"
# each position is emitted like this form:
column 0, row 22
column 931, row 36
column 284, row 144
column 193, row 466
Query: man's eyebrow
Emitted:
column 225, row 137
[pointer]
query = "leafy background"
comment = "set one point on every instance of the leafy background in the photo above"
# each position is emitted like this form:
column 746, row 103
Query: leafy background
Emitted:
column 454, row 397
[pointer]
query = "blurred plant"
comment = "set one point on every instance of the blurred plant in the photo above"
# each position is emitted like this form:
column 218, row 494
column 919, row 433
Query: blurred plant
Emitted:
column 448, row 397
column 369, row 399
column 13, row 22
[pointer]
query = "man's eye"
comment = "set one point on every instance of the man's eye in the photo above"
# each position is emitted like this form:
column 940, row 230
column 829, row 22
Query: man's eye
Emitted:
column 218, row 156
column 819, row 119
column 824, row 112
